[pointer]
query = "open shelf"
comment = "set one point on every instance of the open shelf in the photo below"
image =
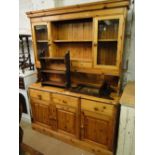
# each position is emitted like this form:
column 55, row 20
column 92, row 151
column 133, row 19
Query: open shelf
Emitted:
column 42, row 41
column 53, row 71
column 70, row 41
column 53, row 83
column 107, row 40
column 51, row 58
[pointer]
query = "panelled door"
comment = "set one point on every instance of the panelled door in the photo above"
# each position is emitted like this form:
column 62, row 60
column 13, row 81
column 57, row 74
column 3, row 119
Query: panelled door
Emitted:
column 41, row 112
column 107, row 42
column 66, row 114
column 97, row 123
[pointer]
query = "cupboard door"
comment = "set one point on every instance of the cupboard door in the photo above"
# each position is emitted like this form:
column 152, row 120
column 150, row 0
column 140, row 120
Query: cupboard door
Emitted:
column 41, row 41
column 94, row 129
column 40, row 112
column 66, row 121
column 107, row 43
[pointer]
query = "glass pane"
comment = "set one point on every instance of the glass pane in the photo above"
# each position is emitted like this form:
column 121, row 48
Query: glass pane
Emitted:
column 41, row 32
column 107, row 42
column 108, row 29
column 41, row 40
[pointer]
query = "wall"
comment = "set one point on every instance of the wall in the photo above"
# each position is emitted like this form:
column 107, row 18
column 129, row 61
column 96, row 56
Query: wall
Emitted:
column 129, row 48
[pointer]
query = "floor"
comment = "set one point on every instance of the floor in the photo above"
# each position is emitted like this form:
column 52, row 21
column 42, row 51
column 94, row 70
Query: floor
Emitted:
column 48, row 145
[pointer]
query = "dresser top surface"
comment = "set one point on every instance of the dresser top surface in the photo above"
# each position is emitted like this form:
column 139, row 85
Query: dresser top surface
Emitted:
column 63, row 91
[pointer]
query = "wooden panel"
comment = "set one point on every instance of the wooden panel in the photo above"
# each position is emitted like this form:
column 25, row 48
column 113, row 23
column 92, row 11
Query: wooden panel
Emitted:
column 66, row 121
column 65, row 100
column 41, row 95
column 40, row 112
column 79, row 50
column 80, row 64
column 80, row 8
column 96, row 130
column 74, row 30
column 97, row 107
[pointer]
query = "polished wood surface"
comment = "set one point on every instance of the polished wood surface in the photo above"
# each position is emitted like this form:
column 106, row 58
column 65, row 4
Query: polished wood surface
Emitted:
column 94, row 35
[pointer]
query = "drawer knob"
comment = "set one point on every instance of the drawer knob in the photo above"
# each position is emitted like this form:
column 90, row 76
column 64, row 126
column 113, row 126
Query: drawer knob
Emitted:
column 64, row 101
column 39, row 96
column 96, row 109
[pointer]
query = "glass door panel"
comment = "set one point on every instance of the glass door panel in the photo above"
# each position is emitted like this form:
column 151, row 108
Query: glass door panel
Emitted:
column 41, row 33
column 107, row 39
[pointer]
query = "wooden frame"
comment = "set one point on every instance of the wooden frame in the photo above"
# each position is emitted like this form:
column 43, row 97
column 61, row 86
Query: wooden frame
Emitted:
column 95, row 42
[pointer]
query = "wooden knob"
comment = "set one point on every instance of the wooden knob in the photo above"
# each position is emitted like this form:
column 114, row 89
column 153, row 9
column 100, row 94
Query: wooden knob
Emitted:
column 39, row 96
column 96, row 109
column 64, row 101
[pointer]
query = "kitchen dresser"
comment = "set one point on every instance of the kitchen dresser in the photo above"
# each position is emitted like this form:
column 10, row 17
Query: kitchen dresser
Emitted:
column 85, row 113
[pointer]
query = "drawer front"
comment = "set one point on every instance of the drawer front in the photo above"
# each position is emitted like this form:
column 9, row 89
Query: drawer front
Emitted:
column 41, row 95
column 97, row 107
column 79, row 64
column 65, row 100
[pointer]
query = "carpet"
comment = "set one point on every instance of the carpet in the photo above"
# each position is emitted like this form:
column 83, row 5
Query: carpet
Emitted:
column 28, row 150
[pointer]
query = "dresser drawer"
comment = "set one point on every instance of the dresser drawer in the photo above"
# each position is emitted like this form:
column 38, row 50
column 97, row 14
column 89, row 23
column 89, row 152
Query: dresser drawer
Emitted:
column 65, row 100
column 97, row 107
column 41, row 95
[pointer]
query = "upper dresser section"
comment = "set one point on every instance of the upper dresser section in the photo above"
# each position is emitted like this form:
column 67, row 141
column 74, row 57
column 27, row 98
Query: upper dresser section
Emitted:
column 102, row 5
column 92, row 32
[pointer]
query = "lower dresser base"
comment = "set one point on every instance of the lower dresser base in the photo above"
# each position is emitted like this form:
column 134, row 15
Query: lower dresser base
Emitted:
column 73, row 141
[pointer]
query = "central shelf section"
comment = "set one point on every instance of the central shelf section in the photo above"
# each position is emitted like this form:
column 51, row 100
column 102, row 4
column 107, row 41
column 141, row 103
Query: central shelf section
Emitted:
column 74, row 36
column 70, row 41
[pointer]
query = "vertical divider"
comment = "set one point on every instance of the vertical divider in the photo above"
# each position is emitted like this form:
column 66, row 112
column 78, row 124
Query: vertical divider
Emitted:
column 78, row 120
column 95, row 41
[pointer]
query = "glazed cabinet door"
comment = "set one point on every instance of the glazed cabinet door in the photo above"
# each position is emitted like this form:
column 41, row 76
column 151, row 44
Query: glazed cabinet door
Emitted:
column 107, row 42
column 41, row 41
column 67, row 114
column 97, row 125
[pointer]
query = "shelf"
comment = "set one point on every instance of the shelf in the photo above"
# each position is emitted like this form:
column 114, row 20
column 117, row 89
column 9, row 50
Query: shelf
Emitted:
column 42, row 41
column 53, row 83
column 71, row 41
column 53, row 71
column 107, row 40
column 62, row 58
column 51, row 58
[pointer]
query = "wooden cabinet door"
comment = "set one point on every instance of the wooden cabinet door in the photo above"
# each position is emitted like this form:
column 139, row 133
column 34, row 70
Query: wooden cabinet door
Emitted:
column 108, row 43
column 40, row 112
column 98, row 123
column 67, row 114
column 66, row 119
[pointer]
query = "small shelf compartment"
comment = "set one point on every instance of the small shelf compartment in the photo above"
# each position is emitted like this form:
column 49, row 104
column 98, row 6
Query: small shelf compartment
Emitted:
column 54, row 83
column 42, row 41
column 41, row 32
column 69, row 41
column 55, row 71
